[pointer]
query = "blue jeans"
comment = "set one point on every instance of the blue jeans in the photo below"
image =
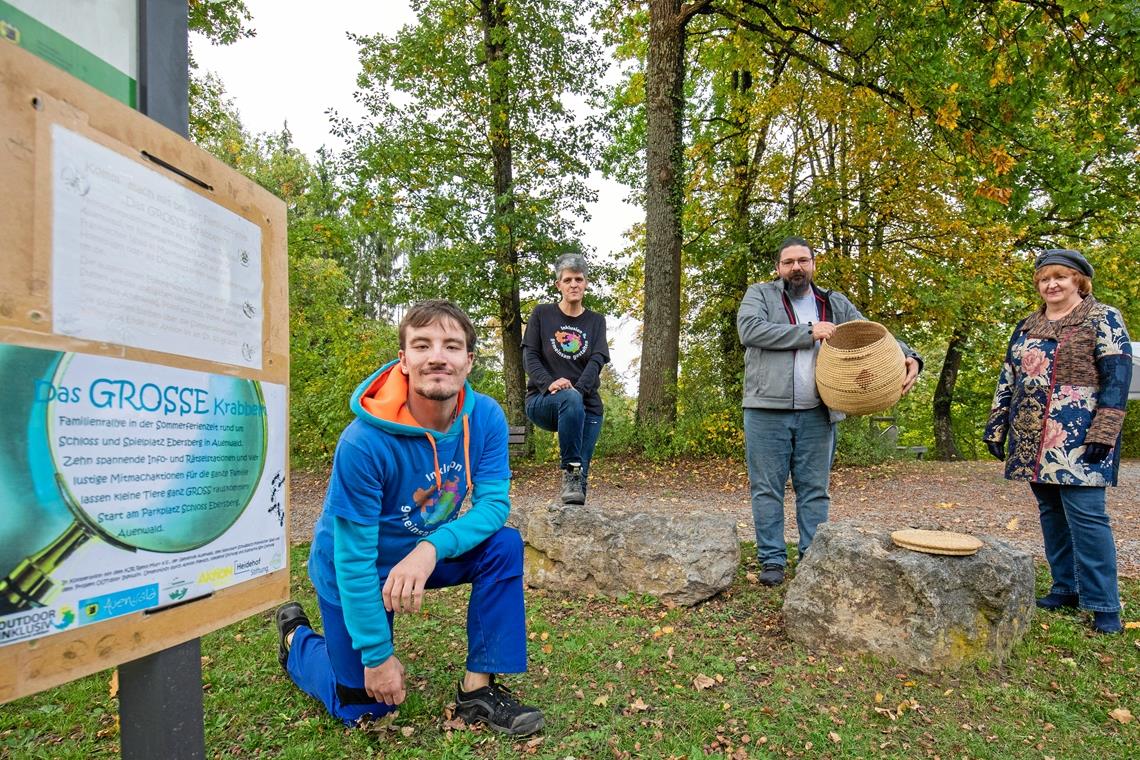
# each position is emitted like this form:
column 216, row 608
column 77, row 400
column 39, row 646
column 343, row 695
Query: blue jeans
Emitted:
column 329, row 669
column 777, row 441
column 1079, row 544
column 577, row 429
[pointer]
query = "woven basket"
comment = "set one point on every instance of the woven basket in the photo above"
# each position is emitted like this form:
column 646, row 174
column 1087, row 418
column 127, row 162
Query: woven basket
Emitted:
column 860, row 369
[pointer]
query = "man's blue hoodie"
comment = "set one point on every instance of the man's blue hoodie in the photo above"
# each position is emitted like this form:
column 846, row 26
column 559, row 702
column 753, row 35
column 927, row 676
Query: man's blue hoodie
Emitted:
column 394, row 484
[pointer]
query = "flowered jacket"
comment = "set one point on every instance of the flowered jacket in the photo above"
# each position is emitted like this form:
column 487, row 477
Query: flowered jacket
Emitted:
column 1064, row 384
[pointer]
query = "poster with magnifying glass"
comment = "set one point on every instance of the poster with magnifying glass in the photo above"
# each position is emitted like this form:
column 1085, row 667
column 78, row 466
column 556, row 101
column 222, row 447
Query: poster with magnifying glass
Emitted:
column 131, row 486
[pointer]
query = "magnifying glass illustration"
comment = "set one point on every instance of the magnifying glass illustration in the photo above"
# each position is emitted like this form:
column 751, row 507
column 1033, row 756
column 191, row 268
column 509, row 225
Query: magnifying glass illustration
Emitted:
column 106, row 455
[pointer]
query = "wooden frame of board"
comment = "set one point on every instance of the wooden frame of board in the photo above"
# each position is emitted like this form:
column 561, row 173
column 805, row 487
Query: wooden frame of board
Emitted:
column 34, row 96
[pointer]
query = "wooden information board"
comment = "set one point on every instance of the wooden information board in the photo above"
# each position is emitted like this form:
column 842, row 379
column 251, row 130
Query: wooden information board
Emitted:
column 144, row 353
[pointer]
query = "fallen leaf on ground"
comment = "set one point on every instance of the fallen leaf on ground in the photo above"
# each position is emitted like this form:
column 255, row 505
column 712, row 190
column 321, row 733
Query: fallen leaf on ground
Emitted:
column 638, row 705
column 1012, row 524
column 408, row 730
column 1132, row 625
column 602, row 700
column 1121, row 715
column 702, row 682
column 834, row 737
column 114, row 685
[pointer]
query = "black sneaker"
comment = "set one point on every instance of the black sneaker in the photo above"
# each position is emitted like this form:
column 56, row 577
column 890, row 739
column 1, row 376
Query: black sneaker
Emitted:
column 1055, row 601
column 772, row 575
column 289, row 616
column 495, row 706
column 573, row 485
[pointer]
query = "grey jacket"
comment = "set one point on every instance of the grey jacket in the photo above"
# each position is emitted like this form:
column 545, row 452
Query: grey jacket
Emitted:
column 767, row 326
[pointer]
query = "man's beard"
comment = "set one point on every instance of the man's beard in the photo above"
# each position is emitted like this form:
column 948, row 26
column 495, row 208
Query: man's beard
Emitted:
column 797, row 289
column 437, row 393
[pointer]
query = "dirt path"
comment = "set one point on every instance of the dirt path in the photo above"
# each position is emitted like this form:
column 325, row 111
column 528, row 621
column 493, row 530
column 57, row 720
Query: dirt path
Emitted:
column 971, row 497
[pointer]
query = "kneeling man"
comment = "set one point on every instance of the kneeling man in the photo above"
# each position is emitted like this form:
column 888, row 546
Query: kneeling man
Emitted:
column 421, row 443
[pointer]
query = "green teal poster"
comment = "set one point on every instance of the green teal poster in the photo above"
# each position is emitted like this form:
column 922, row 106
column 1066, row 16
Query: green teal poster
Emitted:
column 126, row 486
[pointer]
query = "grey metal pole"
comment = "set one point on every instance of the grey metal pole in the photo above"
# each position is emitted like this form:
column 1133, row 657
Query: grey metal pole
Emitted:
column 160, row 696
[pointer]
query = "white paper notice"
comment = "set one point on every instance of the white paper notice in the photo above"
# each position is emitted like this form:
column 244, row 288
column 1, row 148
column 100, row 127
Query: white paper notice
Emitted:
column 141, row 261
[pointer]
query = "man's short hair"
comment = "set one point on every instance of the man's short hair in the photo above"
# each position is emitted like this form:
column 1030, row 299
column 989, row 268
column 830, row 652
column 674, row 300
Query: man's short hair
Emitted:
column 788, row 242
column 575, row 262
column 437, row 310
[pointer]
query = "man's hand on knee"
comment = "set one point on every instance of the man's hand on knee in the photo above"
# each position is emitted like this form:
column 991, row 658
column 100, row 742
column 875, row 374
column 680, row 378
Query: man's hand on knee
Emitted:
column 385, row 682
column 560, row 384
column 404, row 589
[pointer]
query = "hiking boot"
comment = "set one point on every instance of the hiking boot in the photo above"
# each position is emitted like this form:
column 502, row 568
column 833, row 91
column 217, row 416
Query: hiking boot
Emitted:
column 1107, row 622
column 289, row 616
column 1055, row 601
column 495, row 706
column 573, row 485
column 772, row 575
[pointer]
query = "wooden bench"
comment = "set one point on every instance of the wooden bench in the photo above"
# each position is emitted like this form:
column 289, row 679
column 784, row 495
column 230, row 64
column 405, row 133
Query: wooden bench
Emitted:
column 516, row 440
column 890, row 436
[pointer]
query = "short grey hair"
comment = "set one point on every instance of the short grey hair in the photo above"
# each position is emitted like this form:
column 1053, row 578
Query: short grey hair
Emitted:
column 575, row 262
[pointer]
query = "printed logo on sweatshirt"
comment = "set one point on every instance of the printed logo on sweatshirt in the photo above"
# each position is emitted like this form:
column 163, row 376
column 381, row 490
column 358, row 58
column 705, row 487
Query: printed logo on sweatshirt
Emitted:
column 431, row 506
column 569, row 342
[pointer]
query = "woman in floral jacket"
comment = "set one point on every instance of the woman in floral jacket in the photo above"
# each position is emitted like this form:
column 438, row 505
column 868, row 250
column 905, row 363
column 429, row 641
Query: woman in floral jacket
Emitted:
column 1060, row 404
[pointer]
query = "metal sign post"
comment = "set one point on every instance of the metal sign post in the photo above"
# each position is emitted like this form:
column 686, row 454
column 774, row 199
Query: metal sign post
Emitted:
column 160, row 696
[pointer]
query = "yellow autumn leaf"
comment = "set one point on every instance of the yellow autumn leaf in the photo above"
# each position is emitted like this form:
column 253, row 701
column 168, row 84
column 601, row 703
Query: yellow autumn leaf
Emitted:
column 946, row 116
column 602, row 700
column 638, row 705
column 114, row 684
column 1132, row 625
column 1012, row 524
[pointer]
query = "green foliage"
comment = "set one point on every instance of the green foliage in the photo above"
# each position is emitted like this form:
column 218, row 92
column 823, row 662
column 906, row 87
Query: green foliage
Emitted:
column 332, row 351
column 1130, row 436
column 426, row 149
column 223, row 22
column 860, row 443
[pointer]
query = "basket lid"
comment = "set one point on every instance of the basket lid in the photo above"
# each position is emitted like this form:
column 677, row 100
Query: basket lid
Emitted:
column 937, row 541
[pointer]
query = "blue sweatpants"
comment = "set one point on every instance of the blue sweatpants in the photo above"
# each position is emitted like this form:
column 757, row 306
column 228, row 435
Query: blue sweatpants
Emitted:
column 329, row 669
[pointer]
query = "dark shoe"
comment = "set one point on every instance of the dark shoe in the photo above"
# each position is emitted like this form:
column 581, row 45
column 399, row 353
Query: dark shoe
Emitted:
column 772, row 575
column 288, row 617
column 573, row 486
column 1107, row 622
column 1055, row 601
column 495, row 706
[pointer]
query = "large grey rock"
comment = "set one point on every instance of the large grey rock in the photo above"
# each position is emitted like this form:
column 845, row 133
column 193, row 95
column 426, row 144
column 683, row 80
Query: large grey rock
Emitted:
column 682, row 558
column 857, row 592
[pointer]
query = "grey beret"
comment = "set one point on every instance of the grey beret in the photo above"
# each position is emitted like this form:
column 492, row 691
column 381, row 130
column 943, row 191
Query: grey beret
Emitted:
column 1065, row 258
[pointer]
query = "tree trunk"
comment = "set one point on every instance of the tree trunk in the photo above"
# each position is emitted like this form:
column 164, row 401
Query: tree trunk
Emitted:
column 506, row 255
column 944, row 446
column 664, row 101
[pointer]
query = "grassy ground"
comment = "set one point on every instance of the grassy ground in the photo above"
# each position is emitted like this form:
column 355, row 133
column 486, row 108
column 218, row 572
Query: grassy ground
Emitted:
column 630, row 678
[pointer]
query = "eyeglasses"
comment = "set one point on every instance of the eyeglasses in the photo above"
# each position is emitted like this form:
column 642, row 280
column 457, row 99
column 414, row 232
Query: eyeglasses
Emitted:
column 789, row 262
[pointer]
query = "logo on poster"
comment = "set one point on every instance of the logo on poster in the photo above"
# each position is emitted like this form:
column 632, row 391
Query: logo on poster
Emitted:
column 28, row 625
column 66, row 618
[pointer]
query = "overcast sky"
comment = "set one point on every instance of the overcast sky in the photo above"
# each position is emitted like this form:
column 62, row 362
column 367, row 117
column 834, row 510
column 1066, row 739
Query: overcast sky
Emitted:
column 301, row 64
